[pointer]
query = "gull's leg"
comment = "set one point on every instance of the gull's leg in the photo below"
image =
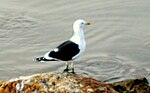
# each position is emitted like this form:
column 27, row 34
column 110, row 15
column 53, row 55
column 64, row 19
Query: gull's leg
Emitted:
column 67, row 68
column 72, row 68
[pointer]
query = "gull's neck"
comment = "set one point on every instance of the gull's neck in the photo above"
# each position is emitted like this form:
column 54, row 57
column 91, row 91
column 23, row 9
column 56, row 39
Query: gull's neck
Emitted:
column 78, row 35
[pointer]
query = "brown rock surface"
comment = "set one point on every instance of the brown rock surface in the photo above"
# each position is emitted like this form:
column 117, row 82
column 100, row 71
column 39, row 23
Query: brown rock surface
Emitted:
column 70, row 83
column 55, row 83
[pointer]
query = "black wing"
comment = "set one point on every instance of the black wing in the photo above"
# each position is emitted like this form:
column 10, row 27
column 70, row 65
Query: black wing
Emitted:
column 65, row 51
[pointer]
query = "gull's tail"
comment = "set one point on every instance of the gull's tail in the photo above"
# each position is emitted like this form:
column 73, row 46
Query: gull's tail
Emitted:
column 43, row 59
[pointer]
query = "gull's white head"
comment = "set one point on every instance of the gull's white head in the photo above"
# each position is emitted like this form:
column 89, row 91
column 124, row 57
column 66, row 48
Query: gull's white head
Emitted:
column 78, row 36
column 79, row 25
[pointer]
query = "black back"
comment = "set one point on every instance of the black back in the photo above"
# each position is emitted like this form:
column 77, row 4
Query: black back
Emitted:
column 65, row 51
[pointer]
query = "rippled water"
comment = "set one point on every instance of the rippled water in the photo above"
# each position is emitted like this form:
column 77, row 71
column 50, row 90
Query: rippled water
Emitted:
column 118, row 40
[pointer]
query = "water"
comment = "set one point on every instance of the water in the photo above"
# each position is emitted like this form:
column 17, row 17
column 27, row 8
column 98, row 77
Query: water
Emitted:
column 118, row 40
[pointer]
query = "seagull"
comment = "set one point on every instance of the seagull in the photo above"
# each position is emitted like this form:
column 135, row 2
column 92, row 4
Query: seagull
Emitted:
column 70, row 49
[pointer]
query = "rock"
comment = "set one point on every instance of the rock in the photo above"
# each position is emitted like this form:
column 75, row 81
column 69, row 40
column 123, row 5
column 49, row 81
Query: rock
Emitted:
column 70, row 83
column 55, row 83
column 139, row 85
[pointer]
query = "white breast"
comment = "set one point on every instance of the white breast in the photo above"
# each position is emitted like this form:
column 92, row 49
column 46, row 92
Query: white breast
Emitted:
column 81, row 43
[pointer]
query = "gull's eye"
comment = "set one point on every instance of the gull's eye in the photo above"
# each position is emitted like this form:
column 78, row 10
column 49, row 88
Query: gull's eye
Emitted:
column 82, row 23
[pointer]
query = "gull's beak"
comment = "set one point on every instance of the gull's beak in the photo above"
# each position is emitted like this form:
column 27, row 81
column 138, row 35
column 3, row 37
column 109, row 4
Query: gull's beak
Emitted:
column 88, row 23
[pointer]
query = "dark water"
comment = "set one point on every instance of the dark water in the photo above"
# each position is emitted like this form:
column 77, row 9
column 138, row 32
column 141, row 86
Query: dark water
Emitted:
column 118, row 40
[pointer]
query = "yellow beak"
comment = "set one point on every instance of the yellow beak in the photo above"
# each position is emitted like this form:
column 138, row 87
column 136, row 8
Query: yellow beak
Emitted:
column 88, row 23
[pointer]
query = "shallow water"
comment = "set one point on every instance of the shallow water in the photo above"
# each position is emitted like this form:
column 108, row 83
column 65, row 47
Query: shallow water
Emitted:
column 118, row 40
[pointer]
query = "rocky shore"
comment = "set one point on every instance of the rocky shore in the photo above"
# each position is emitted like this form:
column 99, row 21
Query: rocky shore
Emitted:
column 70, row 83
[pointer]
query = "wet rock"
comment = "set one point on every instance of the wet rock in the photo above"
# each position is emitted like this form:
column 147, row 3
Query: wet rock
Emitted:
column 139, row 85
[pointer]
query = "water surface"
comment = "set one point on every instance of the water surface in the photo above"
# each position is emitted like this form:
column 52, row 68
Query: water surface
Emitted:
column 118, row 40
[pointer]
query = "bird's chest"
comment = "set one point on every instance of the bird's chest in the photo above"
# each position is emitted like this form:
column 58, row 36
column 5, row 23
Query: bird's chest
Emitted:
column 82, row 45
column 80, row 41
